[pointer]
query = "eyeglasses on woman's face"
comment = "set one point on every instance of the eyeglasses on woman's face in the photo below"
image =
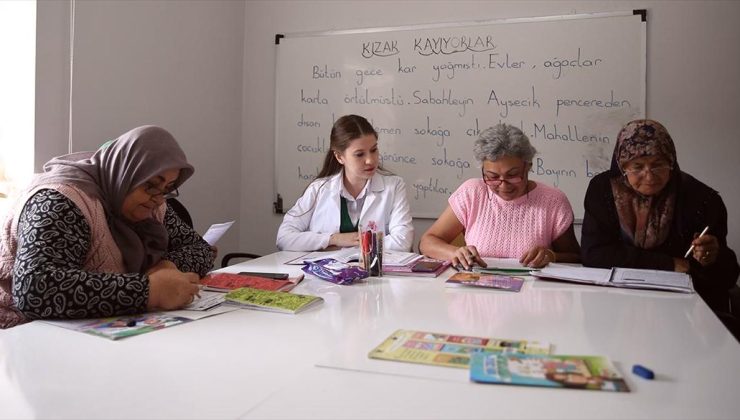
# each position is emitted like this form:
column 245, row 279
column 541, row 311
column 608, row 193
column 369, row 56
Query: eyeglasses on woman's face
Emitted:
column 639, row 168
column 497, row 180
column 639, row 171
column 155, row 191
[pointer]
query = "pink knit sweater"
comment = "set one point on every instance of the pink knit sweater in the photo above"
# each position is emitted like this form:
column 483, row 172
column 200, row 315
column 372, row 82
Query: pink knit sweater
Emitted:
column 507, row 229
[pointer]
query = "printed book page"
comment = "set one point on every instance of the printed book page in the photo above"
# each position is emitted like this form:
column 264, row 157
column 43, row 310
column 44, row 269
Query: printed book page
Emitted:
column 590, row 275
column 503, row 265
column 652, row 279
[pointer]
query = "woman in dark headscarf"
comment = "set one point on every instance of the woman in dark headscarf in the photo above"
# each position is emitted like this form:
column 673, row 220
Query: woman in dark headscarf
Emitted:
column 646, row 213
column 92, row 236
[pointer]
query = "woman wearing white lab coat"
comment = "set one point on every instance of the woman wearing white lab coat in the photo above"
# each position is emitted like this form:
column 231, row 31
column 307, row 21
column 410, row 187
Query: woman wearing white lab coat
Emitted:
column 349, row 191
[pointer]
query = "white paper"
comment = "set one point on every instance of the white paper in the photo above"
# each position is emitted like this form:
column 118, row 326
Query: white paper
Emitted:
column 207, row 300
column 216, row 231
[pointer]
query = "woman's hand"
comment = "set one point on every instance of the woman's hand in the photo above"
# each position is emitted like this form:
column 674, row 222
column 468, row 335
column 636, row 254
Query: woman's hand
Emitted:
column 467, row 256
column 706, row 249
column 538, row 257
column 172, row 289
column 681, row 265
column 344, row 240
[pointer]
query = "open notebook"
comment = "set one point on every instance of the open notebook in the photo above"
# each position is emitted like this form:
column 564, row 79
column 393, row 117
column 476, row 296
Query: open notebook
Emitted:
column 619, row 277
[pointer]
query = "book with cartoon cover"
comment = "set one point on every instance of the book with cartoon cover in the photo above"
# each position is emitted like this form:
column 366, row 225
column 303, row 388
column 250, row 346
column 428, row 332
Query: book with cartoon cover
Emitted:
column 557, row 371
column 447, row 349
column 118, row 327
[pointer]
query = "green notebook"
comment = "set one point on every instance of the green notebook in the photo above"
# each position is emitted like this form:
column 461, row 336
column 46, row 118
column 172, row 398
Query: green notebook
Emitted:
column 267, row 300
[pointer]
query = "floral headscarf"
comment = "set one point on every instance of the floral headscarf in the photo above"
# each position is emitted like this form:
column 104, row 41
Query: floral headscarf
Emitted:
column 644, row 220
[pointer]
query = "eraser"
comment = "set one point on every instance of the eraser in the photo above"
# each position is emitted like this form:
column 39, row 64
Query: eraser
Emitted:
column 642, row 371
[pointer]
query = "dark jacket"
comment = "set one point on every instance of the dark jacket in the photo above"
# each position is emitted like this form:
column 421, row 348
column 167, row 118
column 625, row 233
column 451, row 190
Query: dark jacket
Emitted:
column 697, row 206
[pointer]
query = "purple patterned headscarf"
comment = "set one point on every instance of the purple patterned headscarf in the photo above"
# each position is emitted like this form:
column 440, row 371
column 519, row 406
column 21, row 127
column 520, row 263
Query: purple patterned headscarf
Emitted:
column 110, row 173
column 645, row 220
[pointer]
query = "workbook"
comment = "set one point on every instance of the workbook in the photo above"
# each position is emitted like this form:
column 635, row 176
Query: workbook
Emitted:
column 422, row 267
column 632, row 278
column 266, row 300
column 506, row 266
column 118, row 327
column 486, row 281
column 447, row 349
column 576, row 372
column 224, row 282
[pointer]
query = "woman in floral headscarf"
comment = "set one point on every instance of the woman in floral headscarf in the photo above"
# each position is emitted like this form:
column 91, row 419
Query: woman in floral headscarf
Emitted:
column 646, row 213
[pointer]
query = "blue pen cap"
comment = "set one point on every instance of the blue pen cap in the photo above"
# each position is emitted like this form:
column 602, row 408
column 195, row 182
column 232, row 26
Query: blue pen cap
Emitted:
column 642, row 371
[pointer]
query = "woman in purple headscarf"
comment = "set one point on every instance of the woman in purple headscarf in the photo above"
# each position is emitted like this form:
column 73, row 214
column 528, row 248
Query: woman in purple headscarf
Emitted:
column 92, row 236
column 646, row 213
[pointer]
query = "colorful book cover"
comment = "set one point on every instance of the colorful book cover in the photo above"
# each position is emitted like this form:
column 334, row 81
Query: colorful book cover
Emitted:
column 487, row 281
column 447, row 349
column 119, row 327
column 577, row 372
column 266, row 300
column 229, row 281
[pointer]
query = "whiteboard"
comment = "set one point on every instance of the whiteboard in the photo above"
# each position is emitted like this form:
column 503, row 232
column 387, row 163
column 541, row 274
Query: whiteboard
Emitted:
column 569, row 82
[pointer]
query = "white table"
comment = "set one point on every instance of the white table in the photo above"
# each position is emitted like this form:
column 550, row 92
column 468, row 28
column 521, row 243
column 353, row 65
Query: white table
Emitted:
column 251, row 364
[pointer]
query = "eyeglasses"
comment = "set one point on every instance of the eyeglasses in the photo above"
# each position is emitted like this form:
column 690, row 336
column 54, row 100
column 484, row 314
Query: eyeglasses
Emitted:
column 155, row 191
column 660, row 171
column 496, row 181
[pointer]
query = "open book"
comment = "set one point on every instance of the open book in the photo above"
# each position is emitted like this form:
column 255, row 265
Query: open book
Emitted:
column 620, row 277
column 507, row 266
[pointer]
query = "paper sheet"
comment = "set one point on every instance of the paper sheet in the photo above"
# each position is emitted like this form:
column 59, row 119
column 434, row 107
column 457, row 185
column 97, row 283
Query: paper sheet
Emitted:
column 216, row 231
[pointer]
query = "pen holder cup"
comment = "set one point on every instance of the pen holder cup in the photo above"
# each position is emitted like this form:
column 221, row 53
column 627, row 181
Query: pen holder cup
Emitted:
column 372, row 253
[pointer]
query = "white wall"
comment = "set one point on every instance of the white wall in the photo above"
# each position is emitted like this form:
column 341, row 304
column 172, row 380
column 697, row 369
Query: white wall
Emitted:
column 693, row 84
column 205, row 70
column 173, row 64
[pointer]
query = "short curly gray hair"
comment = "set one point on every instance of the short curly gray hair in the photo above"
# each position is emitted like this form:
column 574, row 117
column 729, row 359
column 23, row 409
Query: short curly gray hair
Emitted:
column 503, row 140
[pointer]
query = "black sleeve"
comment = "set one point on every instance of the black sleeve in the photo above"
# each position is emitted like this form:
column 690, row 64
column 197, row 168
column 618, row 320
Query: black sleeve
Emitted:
column 186, row 249
column 48, row 279
column 724, row 272
column 601, row 236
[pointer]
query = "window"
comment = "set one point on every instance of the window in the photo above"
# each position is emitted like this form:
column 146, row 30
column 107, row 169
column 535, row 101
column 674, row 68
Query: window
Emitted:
column 17, row 102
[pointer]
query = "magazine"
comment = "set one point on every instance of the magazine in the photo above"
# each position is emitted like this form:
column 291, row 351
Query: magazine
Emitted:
column 577, row 372
column 118, row 327
column 447, row 349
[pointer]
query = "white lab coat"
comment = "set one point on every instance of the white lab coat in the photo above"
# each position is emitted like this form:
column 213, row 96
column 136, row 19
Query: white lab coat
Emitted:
column 316, row 215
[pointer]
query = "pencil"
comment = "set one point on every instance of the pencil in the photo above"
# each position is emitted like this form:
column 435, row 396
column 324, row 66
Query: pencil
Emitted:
column 692, row 246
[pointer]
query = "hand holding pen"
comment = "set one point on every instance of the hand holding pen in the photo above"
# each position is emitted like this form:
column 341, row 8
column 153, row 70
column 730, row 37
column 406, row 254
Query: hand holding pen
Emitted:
column 704, row 248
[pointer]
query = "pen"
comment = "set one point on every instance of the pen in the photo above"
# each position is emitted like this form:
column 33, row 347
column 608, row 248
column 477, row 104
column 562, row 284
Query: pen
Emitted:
column 692, row 246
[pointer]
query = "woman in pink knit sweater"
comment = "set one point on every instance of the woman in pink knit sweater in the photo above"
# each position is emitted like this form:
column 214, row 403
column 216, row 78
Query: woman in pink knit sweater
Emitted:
column 504, row 214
